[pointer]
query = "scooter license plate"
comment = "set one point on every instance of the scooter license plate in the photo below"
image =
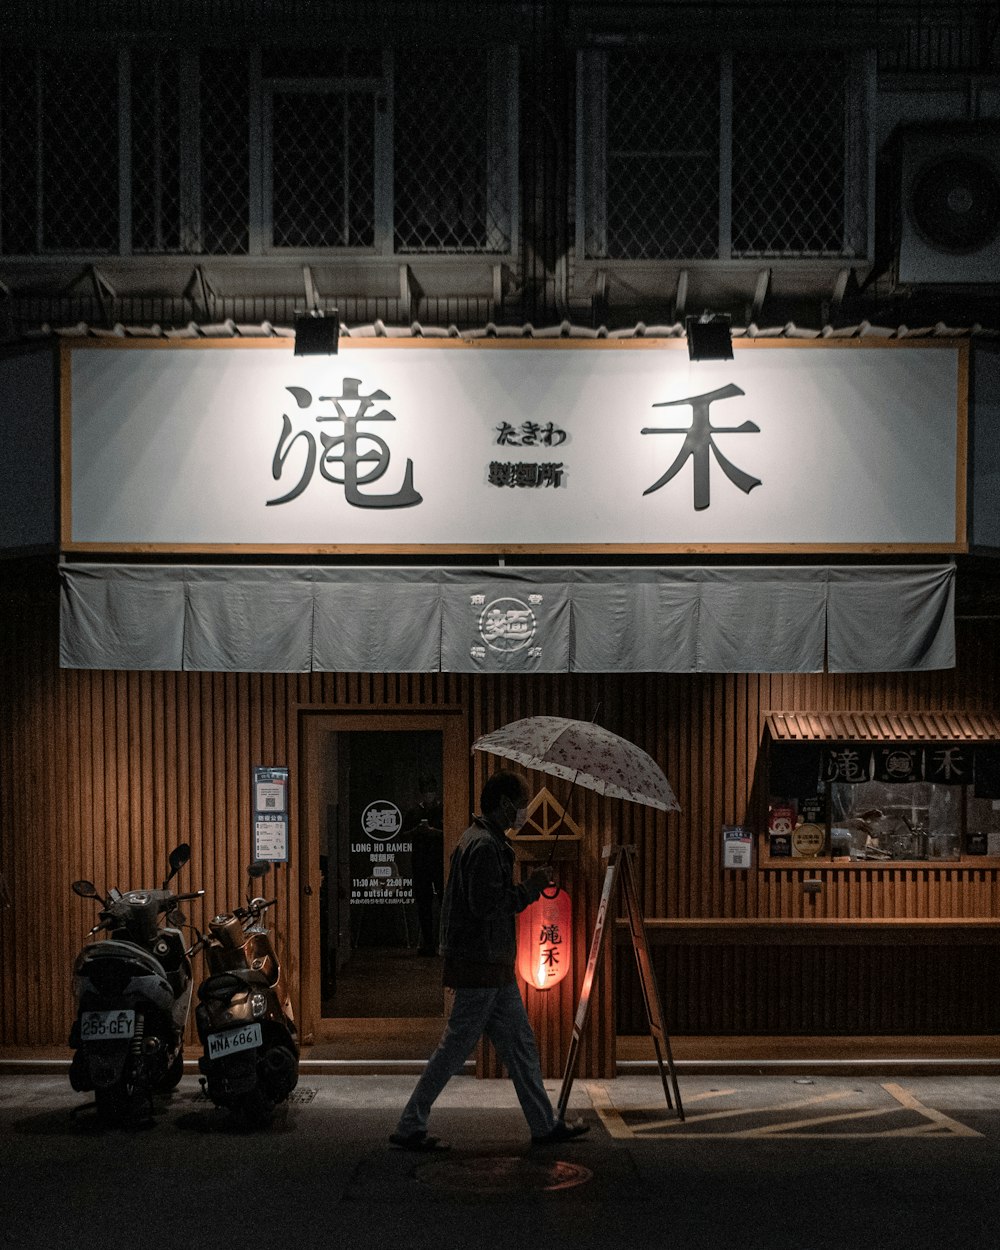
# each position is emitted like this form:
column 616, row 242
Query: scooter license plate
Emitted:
column 228, row 1043
column 106, row 1026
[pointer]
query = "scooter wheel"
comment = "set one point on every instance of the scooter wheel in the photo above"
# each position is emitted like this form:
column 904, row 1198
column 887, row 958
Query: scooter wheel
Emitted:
column 252, row 1110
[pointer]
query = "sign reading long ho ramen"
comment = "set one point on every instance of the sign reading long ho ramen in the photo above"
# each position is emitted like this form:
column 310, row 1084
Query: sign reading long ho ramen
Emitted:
column 491, row 446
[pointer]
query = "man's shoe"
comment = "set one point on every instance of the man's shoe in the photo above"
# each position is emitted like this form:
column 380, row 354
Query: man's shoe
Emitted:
column 418, row 1141
column 562, row 1132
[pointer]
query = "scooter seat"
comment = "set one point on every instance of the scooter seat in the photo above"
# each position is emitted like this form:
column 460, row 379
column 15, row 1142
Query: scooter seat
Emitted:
column 226, row 984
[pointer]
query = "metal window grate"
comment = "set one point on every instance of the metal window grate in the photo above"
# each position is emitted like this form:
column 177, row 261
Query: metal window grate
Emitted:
column 789, row 118
column 225, row 156
column 322, row 61
column 18, row 182
column 662, row 156
column 156, row 189
column 79, row 151
column 449, row 195
column 323, row 162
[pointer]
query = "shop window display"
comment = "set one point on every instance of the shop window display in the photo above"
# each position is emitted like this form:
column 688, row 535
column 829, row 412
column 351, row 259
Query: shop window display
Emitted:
column 871, row 802
column 885, row 820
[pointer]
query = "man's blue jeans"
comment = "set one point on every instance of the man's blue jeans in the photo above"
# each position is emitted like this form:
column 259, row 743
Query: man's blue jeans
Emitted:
column 500, row 1014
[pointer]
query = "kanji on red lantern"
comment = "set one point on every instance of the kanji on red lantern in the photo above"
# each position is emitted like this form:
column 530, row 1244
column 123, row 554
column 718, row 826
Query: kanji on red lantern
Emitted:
column 545, row 939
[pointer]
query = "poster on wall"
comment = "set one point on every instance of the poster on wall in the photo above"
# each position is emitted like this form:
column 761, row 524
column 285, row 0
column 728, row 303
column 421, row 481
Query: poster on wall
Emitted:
column 476, row 446
column 737, row 843
column 270, row 822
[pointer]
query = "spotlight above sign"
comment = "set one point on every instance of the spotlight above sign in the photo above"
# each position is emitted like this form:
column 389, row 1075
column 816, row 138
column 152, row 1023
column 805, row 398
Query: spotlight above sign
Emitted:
column 318, row 334
column 709, row 338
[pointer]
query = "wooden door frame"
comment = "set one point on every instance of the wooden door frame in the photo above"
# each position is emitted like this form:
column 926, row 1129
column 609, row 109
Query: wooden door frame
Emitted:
column 312, row 722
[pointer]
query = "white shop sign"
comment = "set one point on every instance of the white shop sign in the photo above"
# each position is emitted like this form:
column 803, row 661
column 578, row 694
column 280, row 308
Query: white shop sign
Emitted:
column 480, row 446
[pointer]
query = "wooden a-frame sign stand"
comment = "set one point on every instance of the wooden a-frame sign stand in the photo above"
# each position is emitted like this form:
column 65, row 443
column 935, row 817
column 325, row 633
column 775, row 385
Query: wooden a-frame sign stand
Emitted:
column 620, row 870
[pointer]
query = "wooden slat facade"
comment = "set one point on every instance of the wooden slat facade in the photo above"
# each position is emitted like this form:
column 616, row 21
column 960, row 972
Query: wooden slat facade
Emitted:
column 101, row 773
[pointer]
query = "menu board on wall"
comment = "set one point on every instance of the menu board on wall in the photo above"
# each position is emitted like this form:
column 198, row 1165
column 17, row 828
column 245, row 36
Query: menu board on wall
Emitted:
column 270, row 821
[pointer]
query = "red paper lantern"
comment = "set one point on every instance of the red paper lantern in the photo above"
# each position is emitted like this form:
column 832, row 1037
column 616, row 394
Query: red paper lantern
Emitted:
column 545, row 939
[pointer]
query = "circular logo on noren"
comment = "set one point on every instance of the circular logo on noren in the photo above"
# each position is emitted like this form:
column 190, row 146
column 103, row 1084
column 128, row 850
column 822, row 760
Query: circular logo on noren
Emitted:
column 381, row 820
column 899, row 764
column 507, row 625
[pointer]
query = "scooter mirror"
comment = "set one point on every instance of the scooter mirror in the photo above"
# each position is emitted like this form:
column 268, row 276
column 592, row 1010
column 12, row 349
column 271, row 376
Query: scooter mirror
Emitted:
column 85, row 889
column 179, row 856
column 259, row 868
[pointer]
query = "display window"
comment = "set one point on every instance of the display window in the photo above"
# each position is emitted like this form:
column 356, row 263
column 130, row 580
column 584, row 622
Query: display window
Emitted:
column 865, row 802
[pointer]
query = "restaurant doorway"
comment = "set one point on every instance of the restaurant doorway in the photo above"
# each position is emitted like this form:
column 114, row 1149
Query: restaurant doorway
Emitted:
column 385, row 800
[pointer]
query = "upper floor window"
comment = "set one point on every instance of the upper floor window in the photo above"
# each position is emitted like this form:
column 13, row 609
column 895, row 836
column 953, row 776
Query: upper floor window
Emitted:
column 716, row 156
column 327, row 130
column 59, row 151
column 455, row 168
column 221, row 151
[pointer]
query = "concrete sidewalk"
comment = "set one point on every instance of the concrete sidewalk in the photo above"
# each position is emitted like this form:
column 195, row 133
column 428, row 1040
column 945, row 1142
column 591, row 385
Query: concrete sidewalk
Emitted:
column 802, row 1162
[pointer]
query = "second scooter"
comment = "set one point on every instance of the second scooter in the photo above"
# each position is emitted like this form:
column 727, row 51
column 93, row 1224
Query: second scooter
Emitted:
column 244, row 1016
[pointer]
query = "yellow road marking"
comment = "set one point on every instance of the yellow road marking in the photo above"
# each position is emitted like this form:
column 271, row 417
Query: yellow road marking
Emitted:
column 935, row 1123
column 611, row 1117
column 733, row 1111
column 613, row 1120
column 767, row 1130
column 914, row 1104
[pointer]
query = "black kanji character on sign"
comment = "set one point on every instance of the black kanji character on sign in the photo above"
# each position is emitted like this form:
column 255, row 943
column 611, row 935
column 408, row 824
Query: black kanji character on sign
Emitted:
column 524, row 473
column 343, row 449
column 700, row 441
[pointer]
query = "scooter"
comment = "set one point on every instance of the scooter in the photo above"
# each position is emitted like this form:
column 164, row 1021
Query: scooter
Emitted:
column 133, row 994
column 244, row 1015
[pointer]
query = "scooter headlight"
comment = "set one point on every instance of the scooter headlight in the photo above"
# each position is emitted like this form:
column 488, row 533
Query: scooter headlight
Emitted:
column 258, row 1004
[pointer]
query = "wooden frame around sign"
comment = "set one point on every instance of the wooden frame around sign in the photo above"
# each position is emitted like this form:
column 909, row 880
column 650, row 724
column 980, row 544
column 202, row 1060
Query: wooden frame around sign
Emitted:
column 959, row 546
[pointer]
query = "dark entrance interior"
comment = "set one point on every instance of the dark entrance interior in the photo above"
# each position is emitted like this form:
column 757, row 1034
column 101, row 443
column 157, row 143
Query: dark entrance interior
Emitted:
column 381, row 849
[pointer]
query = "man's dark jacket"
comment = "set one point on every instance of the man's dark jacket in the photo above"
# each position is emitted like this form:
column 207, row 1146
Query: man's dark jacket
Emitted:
column 478, row 938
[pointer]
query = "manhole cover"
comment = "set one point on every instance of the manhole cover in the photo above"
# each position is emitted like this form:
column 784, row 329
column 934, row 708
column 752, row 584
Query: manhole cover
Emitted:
column 504, row 1175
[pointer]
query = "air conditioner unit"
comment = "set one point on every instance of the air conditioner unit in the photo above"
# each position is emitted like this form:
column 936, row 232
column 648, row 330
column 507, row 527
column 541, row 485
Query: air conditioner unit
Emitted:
column 948, row 225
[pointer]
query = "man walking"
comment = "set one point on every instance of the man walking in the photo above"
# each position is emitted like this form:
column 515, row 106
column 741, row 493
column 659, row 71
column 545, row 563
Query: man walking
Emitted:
column 479, row 947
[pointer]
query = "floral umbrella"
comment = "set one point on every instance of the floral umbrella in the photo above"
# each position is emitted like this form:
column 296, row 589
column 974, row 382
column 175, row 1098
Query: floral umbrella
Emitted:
column 585, row 754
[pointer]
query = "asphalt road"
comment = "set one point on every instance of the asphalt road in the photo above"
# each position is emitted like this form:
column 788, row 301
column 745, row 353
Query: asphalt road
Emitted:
column 760, row 1163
